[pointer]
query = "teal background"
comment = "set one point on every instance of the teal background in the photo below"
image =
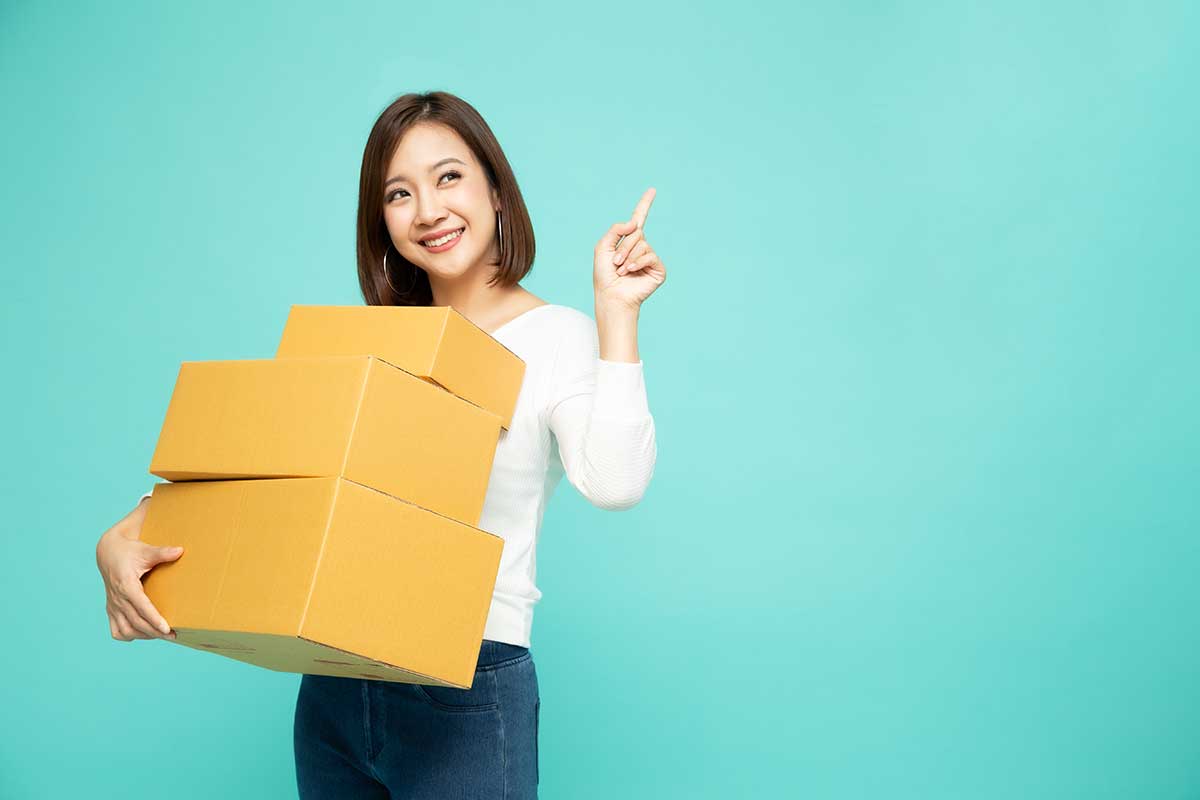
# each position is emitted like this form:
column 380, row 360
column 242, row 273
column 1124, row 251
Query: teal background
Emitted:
column 924, row 373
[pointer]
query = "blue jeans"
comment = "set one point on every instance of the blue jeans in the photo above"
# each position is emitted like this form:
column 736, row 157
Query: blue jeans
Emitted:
column 365, row 739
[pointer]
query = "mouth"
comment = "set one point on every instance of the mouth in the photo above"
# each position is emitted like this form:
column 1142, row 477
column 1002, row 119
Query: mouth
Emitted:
column 442, row 243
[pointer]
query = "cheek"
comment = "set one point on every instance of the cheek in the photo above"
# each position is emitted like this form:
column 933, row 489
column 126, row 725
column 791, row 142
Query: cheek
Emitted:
column 470, row 201
column 398, row 223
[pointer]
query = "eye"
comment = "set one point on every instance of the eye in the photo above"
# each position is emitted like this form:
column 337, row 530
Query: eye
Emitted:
column 399, row 191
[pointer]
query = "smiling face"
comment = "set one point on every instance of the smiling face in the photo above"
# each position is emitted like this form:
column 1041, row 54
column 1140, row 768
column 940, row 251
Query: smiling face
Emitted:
column 434, row 185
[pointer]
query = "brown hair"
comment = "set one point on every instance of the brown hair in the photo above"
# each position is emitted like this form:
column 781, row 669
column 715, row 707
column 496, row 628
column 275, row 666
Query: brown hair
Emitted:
column 516, row 254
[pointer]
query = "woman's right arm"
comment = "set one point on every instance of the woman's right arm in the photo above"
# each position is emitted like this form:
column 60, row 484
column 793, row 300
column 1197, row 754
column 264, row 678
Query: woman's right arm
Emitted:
column 123, row 559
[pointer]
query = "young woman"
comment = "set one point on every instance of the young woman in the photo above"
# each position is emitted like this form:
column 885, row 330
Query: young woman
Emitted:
column 441, row 222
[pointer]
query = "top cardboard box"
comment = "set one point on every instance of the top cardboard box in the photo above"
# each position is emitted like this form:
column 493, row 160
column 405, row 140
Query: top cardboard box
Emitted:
column 435, row 343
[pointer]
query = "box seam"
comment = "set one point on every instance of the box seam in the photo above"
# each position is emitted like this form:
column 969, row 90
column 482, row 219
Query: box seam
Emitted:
column 337, row 487
column 423, row 508
column 212, row 611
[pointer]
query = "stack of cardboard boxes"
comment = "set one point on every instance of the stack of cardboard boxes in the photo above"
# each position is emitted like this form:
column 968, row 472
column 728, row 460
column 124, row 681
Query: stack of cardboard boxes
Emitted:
column 326, row 499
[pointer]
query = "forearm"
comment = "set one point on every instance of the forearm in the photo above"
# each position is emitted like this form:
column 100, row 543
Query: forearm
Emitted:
column 606, row 439
column 599, row 412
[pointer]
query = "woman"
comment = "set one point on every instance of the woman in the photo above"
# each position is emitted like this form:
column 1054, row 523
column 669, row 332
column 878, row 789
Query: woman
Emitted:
column 441, row 222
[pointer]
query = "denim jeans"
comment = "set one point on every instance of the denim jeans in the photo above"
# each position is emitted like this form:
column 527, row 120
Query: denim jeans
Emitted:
column 357, row 738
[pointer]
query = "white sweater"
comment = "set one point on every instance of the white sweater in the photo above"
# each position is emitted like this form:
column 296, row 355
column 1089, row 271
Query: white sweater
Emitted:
column 596, row 412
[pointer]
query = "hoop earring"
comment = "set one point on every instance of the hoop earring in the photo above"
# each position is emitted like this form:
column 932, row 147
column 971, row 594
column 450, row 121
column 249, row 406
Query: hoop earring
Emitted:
column 389, row 280
column 500, row 231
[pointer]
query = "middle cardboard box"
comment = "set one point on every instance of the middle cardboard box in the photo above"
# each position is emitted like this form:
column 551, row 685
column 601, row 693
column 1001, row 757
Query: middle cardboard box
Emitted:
column 357, row 417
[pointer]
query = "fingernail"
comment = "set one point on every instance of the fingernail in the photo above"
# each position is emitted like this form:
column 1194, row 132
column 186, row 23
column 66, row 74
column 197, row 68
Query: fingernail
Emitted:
column 616, row 258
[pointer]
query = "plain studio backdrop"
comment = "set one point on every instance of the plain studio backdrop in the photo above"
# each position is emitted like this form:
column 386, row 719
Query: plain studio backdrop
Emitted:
column 924, row 522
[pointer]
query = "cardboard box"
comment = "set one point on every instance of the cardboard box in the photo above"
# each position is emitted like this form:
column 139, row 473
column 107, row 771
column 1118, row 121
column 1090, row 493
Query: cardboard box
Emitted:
column 351, row 416
column 432, row 342
column 322, row 576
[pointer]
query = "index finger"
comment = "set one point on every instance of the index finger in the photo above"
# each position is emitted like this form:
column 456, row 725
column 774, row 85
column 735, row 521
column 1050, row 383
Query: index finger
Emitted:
column 643, row 208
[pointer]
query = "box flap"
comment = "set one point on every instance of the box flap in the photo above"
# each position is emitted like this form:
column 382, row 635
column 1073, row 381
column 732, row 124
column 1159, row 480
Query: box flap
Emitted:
column 468, row 361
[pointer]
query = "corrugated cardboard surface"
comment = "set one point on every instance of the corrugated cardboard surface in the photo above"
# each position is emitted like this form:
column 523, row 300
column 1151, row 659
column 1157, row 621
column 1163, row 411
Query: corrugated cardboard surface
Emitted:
column 322, row 576
column 353, row 416
column 433, row 342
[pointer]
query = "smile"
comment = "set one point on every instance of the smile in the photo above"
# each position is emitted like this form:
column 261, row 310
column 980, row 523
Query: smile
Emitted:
column 443, row 243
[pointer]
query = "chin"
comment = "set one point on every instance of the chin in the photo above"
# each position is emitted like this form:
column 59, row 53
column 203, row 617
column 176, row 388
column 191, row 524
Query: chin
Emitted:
column 447, row 271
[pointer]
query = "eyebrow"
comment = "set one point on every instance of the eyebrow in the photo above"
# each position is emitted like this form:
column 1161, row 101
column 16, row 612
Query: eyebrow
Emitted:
column 398, row 178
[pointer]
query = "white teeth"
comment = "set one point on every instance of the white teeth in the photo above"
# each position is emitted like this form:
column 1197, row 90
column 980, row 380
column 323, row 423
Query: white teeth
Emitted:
column 443, row 240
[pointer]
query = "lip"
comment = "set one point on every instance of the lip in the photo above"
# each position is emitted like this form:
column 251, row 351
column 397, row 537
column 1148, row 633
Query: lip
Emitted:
column 438, row 234
column 447, row 245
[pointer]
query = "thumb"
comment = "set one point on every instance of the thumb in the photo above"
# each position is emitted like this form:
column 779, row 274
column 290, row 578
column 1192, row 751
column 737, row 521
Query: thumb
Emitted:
column 609, row 242
column 157, row 554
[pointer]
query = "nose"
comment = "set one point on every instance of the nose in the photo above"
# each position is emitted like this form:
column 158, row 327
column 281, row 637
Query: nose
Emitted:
column 429, row 210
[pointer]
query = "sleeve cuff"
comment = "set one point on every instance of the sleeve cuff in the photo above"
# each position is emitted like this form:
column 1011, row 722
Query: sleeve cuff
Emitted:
column 620, row 389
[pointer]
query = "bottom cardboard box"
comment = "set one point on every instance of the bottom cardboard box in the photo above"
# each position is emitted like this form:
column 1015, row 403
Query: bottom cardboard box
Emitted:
column 322, row 576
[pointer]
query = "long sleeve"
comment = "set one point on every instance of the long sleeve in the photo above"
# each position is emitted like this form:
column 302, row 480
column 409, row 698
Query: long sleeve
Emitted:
column 601, row 418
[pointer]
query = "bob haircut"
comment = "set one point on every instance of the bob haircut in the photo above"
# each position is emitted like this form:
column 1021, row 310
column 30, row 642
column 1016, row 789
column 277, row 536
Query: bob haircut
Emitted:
column 373, row 242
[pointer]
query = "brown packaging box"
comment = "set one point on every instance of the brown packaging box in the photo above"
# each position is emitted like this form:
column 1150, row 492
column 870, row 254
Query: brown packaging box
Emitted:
column 352, row 416
column 322, row 576
column 435, row 343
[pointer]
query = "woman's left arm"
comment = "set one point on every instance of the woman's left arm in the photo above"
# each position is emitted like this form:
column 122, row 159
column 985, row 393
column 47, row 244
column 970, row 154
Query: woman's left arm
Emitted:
column 625, row 271
column 600, row 414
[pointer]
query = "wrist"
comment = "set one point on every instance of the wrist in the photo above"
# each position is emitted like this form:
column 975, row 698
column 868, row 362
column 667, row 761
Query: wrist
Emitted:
column 130, row 532
column 615, row 312
column 131, row 526
column 617, row 327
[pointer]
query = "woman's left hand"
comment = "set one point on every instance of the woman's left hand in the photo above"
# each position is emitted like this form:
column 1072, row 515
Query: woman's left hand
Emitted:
column 625, row 270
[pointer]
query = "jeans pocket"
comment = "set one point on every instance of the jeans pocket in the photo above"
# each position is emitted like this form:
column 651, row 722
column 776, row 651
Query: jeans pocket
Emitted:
column 479, row 698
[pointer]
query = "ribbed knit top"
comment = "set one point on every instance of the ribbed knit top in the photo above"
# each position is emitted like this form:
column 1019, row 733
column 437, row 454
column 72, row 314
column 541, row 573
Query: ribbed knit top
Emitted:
column 577, row 415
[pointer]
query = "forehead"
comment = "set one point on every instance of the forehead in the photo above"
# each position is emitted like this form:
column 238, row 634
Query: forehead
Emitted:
column 425, row 144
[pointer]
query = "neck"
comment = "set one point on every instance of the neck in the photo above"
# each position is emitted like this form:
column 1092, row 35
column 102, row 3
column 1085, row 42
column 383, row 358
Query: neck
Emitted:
column 469, row 294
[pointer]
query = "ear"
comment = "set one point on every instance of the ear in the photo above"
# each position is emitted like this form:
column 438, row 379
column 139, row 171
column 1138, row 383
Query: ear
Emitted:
column 495, row 200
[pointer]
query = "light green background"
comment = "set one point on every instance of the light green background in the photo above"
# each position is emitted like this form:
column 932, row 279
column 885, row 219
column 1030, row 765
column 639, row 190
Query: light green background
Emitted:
column 924, row 522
